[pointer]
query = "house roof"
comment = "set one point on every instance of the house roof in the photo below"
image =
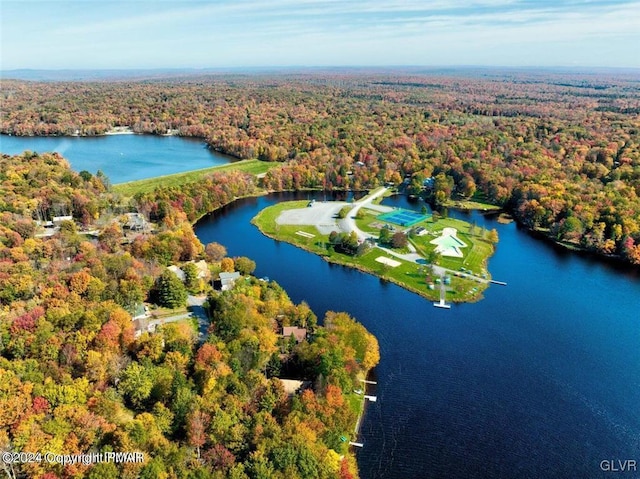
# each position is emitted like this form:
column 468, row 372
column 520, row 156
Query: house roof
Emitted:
column 203, row 269
column 228, row 279
column 291, row 386
column 299, row 333
column 139, row 311
column 229, row 276
column 177, row 271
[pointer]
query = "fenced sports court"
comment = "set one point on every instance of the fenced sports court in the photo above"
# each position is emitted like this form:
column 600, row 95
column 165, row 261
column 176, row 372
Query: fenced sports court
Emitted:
column 403, row 217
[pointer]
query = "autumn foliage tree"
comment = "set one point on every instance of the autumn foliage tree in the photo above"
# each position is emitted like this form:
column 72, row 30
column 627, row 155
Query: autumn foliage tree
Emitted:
column 399, row 240
column 74, row 374
column 215, row 252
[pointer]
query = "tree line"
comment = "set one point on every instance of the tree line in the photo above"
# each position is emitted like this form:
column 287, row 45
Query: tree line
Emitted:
column 559, row 152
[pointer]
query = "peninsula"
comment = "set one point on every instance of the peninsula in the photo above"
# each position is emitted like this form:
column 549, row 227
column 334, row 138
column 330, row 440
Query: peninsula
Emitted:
column 424, row 253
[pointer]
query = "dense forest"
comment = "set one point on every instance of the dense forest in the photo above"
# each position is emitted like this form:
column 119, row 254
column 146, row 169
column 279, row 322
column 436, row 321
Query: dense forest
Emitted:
column 560, row 152
column 78, row 376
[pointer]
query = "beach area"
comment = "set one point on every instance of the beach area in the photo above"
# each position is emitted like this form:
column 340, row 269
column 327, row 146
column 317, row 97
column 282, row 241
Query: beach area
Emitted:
column 120, row 130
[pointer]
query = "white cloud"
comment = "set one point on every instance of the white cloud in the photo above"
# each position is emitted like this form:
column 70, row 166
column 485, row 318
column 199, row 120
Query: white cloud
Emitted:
column 340, row 32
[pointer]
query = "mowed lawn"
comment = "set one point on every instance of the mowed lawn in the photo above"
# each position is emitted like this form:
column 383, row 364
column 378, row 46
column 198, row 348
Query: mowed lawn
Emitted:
column 370, row 217
column 475, row 255
column 411, row 275
column 477, row 202
column 129, row 189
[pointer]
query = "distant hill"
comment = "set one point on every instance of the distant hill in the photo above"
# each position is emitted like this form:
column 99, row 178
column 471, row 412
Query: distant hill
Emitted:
column 167, row 73
column 93, row 75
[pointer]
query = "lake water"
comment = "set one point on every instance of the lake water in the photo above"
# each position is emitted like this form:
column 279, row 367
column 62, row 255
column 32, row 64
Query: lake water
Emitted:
column 539, row 379
column 122, row 157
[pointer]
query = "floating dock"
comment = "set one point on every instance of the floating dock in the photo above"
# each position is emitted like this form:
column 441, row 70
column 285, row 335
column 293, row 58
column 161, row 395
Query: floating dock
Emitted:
column 357, row 444
column 501, row 283
column 442, row 304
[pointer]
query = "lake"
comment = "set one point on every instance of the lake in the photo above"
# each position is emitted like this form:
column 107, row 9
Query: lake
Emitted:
column 539, row 379
column 123, row 157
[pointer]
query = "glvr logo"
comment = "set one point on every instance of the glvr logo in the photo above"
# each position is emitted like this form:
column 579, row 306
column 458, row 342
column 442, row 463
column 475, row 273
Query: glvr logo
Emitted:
column 616, row 465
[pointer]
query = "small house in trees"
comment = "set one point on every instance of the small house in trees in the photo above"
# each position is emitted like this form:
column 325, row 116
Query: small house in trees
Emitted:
column 227, row 280
column 294, row 386
column 135, row 222
column 143, row 325
column 300, row 334
column 203, row 270
column 140, row 311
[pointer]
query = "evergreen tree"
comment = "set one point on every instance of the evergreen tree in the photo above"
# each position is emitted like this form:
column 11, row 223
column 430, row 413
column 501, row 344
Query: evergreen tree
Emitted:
column 191, row 280
column 170, row 292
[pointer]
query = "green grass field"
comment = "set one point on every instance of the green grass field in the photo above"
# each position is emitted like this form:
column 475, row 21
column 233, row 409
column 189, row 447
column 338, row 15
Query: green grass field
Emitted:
column 129, row 189
column 370, row 216
column 408, row 274
column 477, row 202
column 476, row 253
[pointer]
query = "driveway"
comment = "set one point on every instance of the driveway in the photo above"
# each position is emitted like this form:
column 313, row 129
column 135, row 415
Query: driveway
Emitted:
column 195, row 305
column 348, row 224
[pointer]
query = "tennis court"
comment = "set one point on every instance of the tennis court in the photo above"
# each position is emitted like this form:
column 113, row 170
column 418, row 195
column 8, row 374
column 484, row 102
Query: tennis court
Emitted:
column 403, row 217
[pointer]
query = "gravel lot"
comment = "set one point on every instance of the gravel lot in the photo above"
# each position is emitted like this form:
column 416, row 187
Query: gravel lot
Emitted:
column 320, row 215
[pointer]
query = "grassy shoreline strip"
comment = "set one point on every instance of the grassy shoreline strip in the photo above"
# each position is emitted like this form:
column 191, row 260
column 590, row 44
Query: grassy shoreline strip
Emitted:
column 130, row 188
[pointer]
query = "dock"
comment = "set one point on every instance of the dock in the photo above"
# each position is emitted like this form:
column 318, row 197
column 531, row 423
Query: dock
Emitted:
column 442, row 304
column 501, row 283
column 365, row 397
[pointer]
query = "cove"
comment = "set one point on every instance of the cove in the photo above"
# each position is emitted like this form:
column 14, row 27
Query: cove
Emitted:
column 539, row 379
column 122, row 157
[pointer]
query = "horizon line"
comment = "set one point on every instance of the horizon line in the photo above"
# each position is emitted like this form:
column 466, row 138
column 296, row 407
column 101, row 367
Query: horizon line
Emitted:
column 88, row 74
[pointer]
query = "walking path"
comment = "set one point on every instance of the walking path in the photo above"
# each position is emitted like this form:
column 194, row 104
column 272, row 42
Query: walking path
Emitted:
column 348, row 225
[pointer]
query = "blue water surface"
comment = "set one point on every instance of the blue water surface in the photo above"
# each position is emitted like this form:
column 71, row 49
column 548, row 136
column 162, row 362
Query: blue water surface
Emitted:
column 540, row 379
column 122, row 157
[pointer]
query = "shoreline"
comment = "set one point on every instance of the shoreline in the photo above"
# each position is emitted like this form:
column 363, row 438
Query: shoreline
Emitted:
column 536, row 233
column 117, row 131
column 328, row 259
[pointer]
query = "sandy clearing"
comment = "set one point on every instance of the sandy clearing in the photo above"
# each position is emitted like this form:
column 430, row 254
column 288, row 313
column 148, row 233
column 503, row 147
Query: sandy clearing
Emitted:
column 391, row 262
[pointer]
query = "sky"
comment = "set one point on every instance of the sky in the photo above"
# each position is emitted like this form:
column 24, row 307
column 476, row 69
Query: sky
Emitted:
column 144, row 34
